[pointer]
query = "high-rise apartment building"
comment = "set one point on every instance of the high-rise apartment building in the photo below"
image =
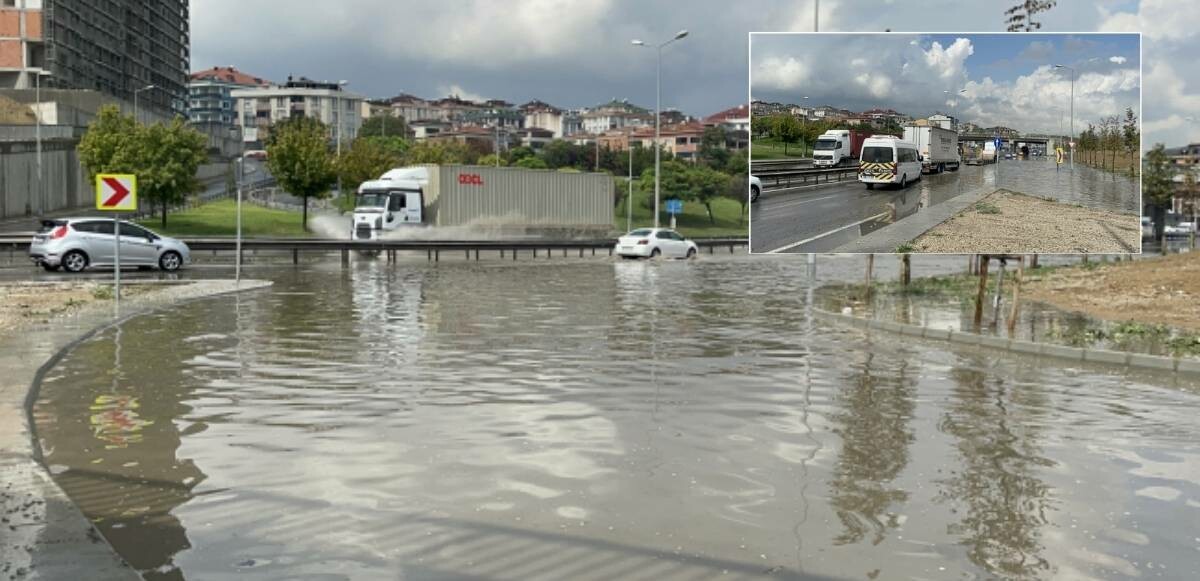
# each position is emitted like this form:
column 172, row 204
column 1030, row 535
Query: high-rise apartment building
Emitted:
column 117, row 47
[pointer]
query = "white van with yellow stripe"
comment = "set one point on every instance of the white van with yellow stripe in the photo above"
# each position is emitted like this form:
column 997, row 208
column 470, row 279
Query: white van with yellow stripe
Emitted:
column 887, row 159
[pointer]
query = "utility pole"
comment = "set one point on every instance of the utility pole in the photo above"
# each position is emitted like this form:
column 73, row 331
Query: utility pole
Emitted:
column 658, row 120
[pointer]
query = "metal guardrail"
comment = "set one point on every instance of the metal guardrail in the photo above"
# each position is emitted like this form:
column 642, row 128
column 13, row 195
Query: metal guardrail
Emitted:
column 796, row 178
column 433, row 248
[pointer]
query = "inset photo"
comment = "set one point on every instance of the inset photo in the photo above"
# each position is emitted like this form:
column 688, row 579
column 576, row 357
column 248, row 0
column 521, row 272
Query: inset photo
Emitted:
column 978, row 143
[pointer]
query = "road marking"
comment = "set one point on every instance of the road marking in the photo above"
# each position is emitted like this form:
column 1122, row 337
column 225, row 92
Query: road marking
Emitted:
column 820, row 236
column 795, row 203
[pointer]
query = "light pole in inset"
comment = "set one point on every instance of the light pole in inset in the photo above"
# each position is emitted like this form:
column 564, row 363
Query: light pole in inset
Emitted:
column 337, row 119
column 41, row 195
column 658, row 118
column 1071, row 140
column 136, row 117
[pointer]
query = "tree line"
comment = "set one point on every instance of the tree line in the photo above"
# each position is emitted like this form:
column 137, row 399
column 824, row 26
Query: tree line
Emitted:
column 163, row 156
column 1100, row 143
column 788, row 129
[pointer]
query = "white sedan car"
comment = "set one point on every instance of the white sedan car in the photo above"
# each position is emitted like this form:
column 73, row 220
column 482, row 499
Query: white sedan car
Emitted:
column 655, row 242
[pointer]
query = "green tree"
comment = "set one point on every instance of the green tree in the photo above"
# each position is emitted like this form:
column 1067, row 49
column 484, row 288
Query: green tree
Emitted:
column 491, row 160
column 437, row 152
column 533, row 162
column 788, row 130
column 674, row 182
column 298, row 156
column 366, row 159
column 713, row 152
column 738, row 168
column 518, row 153
column 383, row 126
column 1131, row 137
column 560, row 153
column 167, row 157
column 706, row 185
column 761, row 125
column 106, row 147
column 1159, row 187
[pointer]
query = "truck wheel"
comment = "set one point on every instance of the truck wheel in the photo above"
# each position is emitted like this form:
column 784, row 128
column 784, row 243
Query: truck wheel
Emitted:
column 941, row 168
column 870, row 186
column 903, row 181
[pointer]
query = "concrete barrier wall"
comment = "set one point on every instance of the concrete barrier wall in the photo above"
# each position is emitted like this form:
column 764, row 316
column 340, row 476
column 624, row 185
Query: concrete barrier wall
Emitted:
column 64, row 183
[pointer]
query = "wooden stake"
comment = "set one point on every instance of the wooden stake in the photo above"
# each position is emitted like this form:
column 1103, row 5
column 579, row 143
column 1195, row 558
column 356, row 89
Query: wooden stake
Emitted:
column 870, row 267
column 905, row 270
column 981, row 295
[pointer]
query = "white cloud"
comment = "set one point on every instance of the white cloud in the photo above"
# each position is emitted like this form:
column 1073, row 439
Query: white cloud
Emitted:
column 1117, row 59
column 780, row 74
column 1039, row 100
column 948, row 62
column 1157, row 19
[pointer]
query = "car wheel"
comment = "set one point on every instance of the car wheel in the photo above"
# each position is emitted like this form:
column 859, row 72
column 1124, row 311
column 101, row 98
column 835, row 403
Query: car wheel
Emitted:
column 49, row 268
column 74, row 261
column 170, row 261
column 655, row 253
column 754, row 194
column 691, row 253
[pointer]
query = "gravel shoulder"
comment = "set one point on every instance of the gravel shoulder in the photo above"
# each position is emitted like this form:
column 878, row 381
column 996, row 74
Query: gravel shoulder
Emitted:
column 1013, row 223
column 1158, row 291
column 43, row 535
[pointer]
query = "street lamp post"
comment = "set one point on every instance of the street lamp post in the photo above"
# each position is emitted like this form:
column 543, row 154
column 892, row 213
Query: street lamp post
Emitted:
column 337, row 119
column 41, row 192
column 1071, row 141
column 629, row 198
column 658, row 119
column 136, row 116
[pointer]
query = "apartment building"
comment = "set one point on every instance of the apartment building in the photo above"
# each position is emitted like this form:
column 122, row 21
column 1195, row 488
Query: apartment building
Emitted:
column 615, row 115
column 210, row 95
column 261, row 107
column 116, row 47
column 542, row 115
column 414, row 109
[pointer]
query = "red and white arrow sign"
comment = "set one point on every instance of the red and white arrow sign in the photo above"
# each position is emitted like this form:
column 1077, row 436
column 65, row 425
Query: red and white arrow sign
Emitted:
column 116, row 192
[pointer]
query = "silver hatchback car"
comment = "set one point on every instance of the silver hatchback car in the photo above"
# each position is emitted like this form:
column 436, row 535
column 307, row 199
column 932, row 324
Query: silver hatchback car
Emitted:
column 77, row 243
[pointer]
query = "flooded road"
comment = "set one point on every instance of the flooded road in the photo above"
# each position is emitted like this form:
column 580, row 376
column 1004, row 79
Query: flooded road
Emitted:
column 823, row 219
column 603, row 420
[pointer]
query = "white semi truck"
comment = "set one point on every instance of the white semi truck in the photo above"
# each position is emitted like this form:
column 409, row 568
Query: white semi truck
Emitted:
column 838, row 147
column 938, row 147
column 528, row 201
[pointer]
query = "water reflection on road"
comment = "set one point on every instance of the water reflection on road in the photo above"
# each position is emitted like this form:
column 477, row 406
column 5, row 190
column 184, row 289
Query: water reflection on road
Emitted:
column 605, row 420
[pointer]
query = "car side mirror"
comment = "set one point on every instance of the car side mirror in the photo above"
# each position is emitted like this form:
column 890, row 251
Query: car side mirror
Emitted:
column 390, row 217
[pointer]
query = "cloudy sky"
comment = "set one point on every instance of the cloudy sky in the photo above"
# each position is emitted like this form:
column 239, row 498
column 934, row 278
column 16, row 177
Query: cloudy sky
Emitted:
column 577, row 52
column 989, row 79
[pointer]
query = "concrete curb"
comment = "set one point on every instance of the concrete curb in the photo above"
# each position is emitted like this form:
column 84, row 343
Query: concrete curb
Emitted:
column 1077, row 354
column 45, row 535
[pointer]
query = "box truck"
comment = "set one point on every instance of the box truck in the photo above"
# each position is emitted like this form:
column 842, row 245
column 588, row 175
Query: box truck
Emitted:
column 838, row 147
column 511, row 199
column 938, row 147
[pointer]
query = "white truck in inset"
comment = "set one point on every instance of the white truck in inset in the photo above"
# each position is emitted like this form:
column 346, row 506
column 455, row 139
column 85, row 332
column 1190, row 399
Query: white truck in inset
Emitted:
column 938, row 147
column 838, row 147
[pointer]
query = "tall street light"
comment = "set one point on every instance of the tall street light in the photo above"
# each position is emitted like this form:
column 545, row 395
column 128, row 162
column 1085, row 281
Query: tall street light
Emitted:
column 337, row 106
column 658, row 117
column 137, row 118
column 41, row 192
column 1071, row 141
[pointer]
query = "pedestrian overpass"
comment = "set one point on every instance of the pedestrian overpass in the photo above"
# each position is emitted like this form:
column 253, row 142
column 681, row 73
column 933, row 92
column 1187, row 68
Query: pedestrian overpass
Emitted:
column 1040, row 143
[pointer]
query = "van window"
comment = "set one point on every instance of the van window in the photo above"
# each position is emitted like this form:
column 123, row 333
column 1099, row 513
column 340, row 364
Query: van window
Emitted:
column 877, row 154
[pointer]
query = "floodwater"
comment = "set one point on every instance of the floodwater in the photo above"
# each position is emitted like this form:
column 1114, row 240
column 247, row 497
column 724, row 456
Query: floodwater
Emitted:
column 598, row 420
column 1083, row 185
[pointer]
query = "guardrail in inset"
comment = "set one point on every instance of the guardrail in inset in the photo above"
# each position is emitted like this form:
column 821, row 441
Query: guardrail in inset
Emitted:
column 432, row 248
column 796, row 178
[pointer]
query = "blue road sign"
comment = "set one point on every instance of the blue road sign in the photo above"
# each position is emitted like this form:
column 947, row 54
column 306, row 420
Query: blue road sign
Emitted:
column 998, row 142
column 674, row 206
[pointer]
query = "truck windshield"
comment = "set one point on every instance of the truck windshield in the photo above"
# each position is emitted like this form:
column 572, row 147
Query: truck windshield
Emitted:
column 826, row 144
column 877, row 154
column 371, row 200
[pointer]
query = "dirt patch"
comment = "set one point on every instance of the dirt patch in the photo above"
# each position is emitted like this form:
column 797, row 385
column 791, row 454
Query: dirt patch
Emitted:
column 27, row 303
column 1012, row 223
column 1160, row 290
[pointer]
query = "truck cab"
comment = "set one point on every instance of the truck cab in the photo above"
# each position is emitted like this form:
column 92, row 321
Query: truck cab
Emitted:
column 384, row 205
column 832, row 148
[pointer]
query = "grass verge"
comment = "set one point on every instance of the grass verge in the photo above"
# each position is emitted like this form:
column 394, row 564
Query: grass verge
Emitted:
column 692, row 223
column 219, row 218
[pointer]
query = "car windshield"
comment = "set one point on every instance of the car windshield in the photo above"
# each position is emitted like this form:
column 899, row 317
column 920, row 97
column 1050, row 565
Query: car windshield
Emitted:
column 371, row 201
column 826, row 144
column 877, row 154
column 642, row 233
